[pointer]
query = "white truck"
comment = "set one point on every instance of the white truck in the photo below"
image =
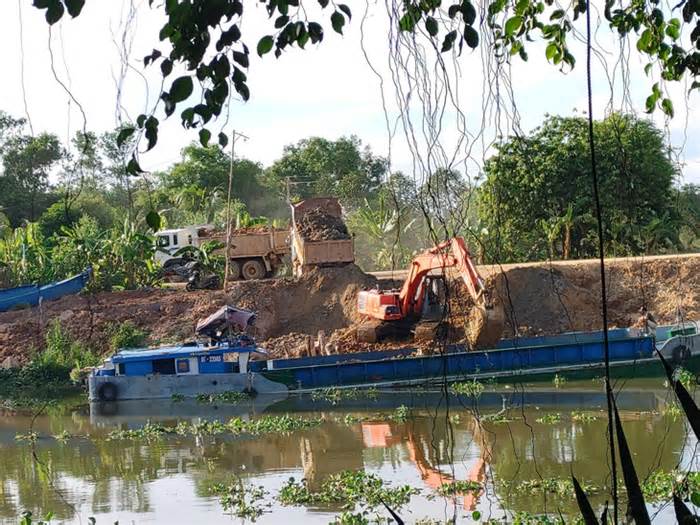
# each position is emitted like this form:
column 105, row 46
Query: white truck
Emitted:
column 255, row 253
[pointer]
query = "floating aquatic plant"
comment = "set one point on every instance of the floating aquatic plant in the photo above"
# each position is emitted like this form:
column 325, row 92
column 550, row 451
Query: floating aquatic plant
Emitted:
column 459, row 487
column 582, row 417
column 469, row 388
column 549, row 419
column 240, row 499
column 347, row 488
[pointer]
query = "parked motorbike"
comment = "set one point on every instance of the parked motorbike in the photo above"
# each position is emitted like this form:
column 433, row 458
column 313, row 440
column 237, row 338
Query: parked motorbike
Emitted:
column 198, row 280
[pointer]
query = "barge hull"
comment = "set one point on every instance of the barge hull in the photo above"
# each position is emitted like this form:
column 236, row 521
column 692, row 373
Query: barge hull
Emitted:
column 165, row 386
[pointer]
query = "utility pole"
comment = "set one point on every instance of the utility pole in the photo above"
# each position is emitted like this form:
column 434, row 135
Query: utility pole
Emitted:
column 235, row 135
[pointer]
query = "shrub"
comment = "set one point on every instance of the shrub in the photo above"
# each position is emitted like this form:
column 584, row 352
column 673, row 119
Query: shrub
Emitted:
column 64, row 351
column 126, row 335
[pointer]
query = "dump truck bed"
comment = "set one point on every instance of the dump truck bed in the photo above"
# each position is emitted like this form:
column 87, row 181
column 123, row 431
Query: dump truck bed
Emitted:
column 332, row 252
column 323, row 253
column 255, row 243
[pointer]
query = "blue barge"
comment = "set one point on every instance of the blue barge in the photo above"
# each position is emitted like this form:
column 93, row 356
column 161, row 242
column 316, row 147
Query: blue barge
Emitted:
column 233, row 362
column 456, row 363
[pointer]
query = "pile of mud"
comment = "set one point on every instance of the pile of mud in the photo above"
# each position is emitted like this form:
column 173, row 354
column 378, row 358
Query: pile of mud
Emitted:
column 323, row 299
column 318, row 225
column 551, row 299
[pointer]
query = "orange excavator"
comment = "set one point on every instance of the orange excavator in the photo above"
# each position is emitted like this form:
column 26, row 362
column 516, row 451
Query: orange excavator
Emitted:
column 420, row 306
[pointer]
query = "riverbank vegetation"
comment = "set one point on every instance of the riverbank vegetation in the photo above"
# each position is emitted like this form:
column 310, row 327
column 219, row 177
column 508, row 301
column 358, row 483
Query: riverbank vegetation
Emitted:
column 66, row 207
column 56, row 370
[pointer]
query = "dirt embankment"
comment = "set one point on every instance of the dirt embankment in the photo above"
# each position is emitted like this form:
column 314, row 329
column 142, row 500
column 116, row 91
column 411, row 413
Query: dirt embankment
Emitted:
column 322, row 300
column 558, row 298
column 540, row 299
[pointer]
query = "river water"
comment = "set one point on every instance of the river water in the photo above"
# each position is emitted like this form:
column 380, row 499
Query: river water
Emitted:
column 547, row 433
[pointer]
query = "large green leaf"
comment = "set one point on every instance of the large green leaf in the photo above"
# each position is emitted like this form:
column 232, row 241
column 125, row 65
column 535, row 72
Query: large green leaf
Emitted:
column 337, row 21
column 513, row 24
column 265, row 45
column 124, row 135
column 54, row 12
column 74, row 7
column 181, row 89
column 204, row 136
column 637, row 506
column 583, row 504
column 683, row 514
column 471, row 37
column 684, row 398
column 153, row 220
column 431, row 26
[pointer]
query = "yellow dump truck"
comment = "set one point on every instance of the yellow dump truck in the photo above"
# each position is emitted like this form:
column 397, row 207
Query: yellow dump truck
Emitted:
column 255, row 252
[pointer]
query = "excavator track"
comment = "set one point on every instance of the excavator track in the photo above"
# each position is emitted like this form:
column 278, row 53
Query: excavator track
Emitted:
column 373, row 331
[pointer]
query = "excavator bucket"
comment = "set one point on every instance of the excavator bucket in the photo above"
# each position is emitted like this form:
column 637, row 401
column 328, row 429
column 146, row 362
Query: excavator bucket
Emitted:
column 485, row 327
column 487, row 318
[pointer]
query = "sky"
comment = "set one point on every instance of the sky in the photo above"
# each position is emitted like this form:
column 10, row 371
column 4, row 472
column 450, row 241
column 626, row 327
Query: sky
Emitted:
column 327, row 90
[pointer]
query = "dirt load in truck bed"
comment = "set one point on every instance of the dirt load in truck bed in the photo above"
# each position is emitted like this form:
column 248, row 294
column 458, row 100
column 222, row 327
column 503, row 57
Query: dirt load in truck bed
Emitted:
column 537, row 299
column 318, row 225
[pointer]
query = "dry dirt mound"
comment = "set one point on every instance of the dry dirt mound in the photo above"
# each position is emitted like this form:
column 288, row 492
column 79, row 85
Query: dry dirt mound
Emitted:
column 318, row 225
column 323, row 299
column 566, row 297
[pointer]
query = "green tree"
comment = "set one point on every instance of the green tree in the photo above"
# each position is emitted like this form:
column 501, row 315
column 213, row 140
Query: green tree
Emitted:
column 198, row 184
column 88, row 203
column 537, row 200
column 322, row 167
column 24, row 182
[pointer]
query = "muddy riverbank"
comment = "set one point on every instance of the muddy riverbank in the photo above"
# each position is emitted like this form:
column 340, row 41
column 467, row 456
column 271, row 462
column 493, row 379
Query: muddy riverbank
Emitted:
column 537, row 299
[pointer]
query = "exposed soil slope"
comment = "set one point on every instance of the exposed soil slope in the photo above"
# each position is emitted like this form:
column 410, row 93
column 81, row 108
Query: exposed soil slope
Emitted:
column 536, row 300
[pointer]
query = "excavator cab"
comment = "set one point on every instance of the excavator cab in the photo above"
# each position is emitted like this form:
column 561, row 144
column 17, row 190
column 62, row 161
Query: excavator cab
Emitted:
column 434, row 306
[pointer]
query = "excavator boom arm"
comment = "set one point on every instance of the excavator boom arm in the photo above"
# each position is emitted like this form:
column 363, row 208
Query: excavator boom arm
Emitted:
column 449, row 254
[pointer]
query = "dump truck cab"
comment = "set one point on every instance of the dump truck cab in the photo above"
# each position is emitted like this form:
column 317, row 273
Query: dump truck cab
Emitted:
column 170, row 241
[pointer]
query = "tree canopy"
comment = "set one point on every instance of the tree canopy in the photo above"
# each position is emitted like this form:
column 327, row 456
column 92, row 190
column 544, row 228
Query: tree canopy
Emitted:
column 318, row 166
column 536, row 201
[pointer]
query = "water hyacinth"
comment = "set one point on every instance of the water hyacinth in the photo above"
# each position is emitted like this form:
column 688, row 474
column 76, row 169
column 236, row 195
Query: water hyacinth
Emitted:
column 347, row 488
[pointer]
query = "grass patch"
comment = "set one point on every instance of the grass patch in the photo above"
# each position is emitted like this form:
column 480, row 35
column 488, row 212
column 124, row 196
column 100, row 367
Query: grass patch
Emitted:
column 126, row 335
column 49, row 374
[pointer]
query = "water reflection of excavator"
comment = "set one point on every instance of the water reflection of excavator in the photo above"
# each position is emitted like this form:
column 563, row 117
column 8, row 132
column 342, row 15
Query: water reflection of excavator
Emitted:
column 419, row 305
column 381, row 435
